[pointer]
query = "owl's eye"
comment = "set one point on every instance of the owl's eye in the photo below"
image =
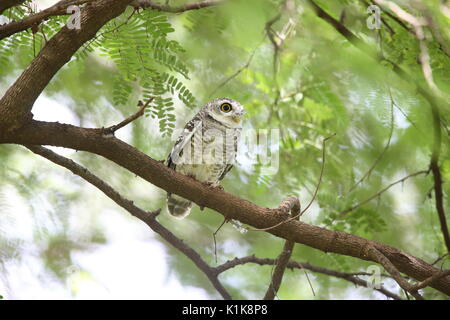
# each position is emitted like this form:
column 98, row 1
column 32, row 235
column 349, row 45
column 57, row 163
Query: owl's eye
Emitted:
column 226, row 107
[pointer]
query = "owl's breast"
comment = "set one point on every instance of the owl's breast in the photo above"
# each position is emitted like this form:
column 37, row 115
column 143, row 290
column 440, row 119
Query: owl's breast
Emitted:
column 207, row 156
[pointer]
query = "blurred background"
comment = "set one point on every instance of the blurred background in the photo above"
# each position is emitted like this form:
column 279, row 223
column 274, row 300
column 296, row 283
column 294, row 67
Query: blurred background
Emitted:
column 61, row 238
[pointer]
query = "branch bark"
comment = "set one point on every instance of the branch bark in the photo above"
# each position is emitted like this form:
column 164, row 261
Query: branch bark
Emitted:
column 379, row 193
column 351, row 277
column 387, row 264
column 292, row 206
column 16, row 104
column 432, row 98
column 6, row 4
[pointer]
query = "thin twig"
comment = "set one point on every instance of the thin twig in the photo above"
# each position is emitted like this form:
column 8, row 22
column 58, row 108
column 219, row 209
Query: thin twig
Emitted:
column 314, row 195
column 236, row 73
column 6, row 4
column 386, row 147
column 343, row 212
column 114, row 128
column 60, row 8
column 440, row 258
column 214, row 237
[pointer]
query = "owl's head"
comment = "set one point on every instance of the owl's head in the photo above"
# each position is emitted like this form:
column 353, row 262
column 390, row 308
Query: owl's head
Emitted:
column 227, row 111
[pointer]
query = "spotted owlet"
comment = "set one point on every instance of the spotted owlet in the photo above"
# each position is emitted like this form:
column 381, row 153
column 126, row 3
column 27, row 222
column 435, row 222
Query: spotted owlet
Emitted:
column 206, row 149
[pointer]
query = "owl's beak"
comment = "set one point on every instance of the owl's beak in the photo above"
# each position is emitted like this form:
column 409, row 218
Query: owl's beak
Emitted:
column 236, row 119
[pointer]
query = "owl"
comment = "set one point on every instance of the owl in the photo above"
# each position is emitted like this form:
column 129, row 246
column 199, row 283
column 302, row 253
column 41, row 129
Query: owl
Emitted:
column 206, row 150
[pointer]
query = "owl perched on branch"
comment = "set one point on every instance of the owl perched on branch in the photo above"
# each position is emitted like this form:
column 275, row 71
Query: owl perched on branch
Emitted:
column 207, row 148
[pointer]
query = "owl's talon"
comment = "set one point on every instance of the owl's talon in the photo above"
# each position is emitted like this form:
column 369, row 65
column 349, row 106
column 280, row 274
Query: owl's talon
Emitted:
column 213, row 186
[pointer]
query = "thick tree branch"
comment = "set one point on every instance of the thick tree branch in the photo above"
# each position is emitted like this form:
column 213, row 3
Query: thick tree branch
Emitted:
column 232, row 207
column 148, row 217
column 16, row 104
column 387, row 264
column 6, row 4
column 417, row 28
column 351, row 277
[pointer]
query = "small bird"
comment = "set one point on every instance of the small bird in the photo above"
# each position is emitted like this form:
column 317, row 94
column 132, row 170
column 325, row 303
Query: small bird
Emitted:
column 206, row 150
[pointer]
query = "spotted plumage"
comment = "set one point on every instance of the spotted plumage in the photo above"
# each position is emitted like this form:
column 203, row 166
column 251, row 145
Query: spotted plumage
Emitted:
column 206, row 149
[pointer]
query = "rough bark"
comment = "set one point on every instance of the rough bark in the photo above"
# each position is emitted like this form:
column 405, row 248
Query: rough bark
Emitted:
column 92, row 140
column 16, row 104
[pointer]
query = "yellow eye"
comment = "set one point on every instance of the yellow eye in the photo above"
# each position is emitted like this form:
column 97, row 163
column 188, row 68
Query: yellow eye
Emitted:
column 226, row 107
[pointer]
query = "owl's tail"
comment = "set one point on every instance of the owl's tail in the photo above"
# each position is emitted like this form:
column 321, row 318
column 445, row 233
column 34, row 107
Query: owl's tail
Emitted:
column 178, row 206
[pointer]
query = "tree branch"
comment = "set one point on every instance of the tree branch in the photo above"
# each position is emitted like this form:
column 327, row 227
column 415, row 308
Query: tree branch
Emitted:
column 383, row 152
column 148, row 217
column 387, row 264
column 140, row 113
column 6, row 4
column 16, row 104
column 430, row 280
column 166, row 8
column 17, row 127
column 351, row 277
column 343, row 212
column 232, row 207
column 60, row 8
column 439, row 200
column 292, row 206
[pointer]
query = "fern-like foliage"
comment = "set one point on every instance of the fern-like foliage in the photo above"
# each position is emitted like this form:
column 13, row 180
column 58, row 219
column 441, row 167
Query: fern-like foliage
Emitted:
column 147, row 61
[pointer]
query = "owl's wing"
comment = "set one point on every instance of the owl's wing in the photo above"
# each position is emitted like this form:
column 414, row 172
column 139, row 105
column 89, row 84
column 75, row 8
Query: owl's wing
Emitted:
column 189, row 130
column 227, row 169
column 229, row 166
